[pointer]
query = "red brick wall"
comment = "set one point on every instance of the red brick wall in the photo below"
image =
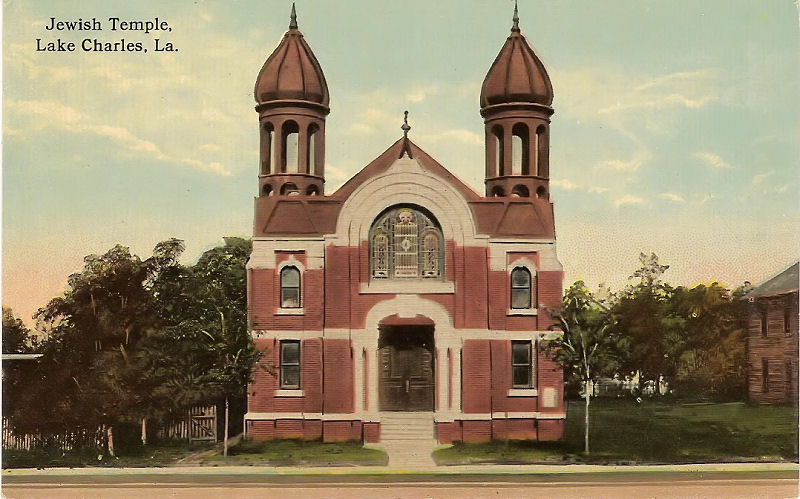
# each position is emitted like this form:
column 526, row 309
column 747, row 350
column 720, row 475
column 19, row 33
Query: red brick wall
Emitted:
column 341, row 431
column 372, row 432
column 550, row 375
column 339, row 381
column 550, row 429
column 311, row 375
column 476, row 377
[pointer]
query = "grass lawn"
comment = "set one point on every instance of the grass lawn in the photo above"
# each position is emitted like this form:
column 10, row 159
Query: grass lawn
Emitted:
column 299, row 453
column 160, row 453
column 622, row 432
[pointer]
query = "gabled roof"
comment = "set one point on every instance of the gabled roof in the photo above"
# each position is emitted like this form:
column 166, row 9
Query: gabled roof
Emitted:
column 784, row 282
column 392, row 154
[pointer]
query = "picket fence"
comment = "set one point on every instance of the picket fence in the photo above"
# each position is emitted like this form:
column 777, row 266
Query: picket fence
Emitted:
column 66, row 440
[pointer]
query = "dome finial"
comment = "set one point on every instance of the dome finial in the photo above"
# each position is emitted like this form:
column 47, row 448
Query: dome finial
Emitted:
column 515, row 27
column 406, row 127
column 293, row 19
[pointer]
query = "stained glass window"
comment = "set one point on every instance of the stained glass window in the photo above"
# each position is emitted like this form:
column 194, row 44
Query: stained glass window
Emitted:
column 406, row 243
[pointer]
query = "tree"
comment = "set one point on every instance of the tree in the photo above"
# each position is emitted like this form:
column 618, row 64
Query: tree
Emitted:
column 17, row 338
column 588, row 346
column 713, row 358
column 642, row 316
column 204, row 352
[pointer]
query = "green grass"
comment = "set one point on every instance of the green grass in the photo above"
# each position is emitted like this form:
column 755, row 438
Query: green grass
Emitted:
column 299, row 453
column 160, row 453
column 622, row 432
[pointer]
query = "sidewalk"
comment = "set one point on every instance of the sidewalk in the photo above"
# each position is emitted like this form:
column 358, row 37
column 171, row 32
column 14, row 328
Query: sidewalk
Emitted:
column 192, row 473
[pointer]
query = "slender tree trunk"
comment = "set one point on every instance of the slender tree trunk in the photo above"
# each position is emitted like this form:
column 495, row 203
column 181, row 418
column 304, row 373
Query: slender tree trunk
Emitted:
column 144, row 431
column 225, row 437
column 110, row 434
column 586, row 423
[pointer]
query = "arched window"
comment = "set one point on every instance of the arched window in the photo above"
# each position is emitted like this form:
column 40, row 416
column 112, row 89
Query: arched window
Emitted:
column 290, row 287
column 520, row 288
column 406, row 243
column 267, row 137
column 499, row 170
column 541, row 151
column 312, row 149
column 291, row 133
column 520, row 165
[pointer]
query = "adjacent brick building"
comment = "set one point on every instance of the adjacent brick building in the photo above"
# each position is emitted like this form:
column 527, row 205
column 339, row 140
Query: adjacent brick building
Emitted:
column 404, row 290
column 772, row 345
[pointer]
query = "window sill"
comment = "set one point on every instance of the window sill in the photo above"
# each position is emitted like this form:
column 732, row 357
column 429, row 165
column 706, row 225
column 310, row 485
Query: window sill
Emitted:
column 290, row 311
column 523, row 392
column 407, row 286
column 523, row 311
column 288, row 393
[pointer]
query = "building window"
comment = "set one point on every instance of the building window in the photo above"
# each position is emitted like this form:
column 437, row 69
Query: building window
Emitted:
column 789, row 380
column 520, row 288
column 290, row 365
column 764, row 322
column 290, row 287
column 521, row 367
column 406, row 243
column 787, row 319
column 764, row 376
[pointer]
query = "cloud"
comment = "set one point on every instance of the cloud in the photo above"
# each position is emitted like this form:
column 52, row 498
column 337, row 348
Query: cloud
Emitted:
column 458, row 135
column 671, row 196
column 658, row 102
column 66, row 119
column 628, row 199
column 712, row 160
column 564, row 183
column 419, row 94
column 672, row 78
column 597, row 189
column 761, row 177
column 210, row 147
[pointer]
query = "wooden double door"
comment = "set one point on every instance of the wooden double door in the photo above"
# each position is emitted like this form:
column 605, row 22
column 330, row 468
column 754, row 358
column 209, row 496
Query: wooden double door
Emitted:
column 406, row 371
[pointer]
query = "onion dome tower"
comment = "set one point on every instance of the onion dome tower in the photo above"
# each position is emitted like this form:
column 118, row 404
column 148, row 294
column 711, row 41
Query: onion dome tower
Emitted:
column 292, row 103
column 516, row 104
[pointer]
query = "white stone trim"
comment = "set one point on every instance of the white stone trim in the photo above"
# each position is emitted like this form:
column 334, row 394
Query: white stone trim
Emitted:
column 546, row 249
column 265, row 250
column 293, row 311
column 523, row 392
column 289, row 393
column 405, row 181
column 407, row 286
column 526, row 312
column 372, row 417
column 284, row 334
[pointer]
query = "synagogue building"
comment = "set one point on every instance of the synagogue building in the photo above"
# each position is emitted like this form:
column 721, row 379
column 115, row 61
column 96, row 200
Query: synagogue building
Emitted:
column 404, row 299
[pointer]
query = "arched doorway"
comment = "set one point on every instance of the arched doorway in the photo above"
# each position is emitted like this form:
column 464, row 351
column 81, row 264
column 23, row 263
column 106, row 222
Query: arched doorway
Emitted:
column 406, row 365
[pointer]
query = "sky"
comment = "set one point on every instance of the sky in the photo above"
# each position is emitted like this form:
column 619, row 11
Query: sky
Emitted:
column 676, row 125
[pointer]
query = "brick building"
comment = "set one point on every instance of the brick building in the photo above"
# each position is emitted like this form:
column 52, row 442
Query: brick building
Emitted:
column 772, row 351
column 404, row 290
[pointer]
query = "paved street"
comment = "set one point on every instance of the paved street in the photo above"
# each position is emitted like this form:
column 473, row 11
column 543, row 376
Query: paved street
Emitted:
column 754, row 480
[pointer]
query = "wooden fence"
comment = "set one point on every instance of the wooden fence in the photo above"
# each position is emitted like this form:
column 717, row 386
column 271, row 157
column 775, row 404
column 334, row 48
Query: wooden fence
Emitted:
column 66, row 440
column 199, row 424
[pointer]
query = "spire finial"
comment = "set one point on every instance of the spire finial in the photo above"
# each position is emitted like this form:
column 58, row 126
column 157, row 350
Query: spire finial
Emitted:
column 515, row 27
column 293, row 19
column 406, row 127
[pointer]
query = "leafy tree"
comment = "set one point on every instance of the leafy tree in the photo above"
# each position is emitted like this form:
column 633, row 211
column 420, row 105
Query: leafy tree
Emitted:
column 588, row 346
column 642, row 316
column 17, row 338
column 204, row 353
column 713, row 357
